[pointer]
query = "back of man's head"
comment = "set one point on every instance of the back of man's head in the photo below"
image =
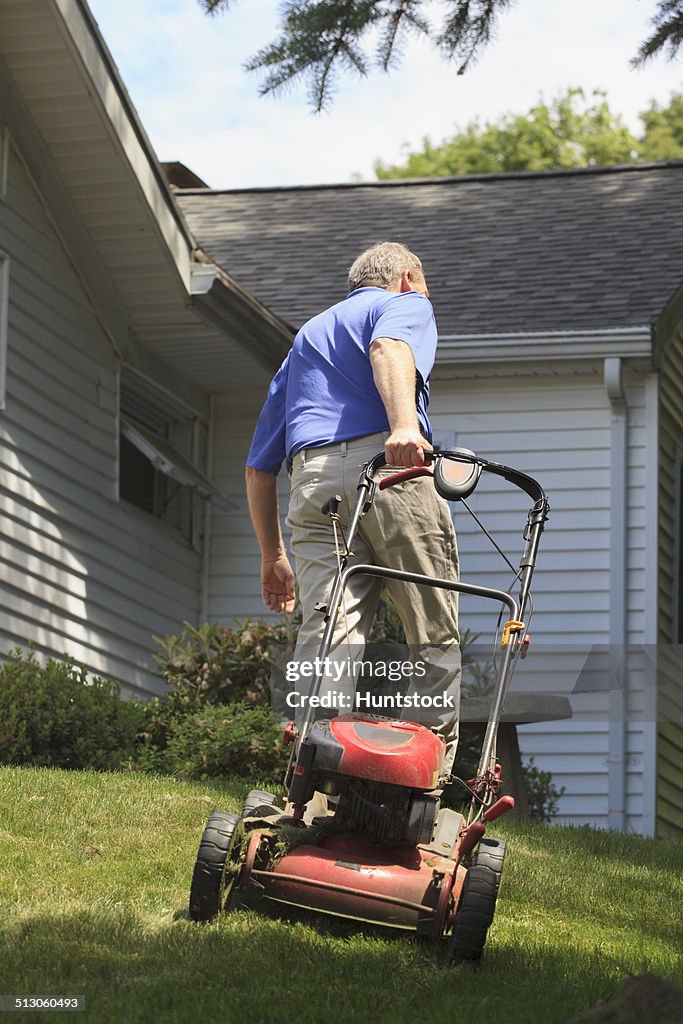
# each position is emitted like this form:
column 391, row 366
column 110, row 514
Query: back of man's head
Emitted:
column 382, row 265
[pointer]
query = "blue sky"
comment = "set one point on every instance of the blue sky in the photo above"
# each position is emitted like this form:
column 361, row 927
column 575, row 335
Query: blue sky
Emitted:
column 184, row 73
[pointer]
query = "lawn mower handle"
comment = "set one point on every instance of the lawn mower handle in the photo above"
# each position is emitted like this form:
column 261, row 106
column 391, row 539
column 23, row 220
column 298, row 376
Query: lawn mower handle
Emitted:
column 525, row 482
column 537, row 516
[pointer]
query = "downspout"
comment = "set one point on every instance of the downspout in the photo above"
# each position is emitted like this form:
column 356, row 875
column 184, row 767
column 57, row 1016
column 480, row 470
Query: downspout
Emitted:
column 616, row 763
column 205, row 570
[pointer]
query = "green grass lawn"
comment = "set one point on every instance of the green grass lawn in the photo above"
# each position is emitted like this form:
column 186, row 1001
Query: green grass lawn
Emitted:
column 94, row 878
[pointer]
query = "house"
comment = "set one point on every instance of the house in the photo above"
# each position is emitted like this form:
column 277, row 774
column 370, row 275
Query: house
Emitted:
column 116, row 331
column 139, row 327
column 560, row 314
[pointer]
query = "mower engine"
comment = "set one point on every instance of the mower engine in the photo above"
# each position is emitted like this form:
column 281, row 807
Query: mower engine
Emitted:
column 383, row 773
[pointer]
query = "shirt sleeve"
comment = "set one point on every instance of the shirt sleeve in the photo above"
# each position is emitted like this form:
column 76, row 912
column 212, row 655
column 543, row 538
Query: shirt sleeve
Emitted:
column 409, row 317
column 268, row 447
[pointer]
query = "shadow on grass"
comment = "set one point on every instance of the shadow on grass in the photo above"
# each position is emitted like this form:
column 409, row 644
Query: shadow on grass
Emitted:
column 248, row 967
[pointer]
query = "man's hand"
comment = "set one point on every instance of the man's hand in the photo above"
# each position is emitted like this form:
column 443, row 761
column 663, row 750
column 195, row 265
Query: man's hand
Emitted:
column 277, row 584
column 406, row 448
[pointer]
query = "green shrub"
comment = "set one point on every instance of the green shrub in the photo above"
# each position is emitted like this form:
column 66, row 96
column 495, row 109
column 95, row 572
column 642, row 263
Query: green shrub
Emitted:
column 541, row 792
column 233, row 739
column 53, row 715
column 213, row 665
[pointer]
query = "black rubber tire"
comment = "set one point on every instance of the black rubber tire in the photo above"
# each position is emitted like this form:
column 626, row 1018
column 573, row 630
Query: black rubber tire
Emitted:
column 474, row 915
column 491, row 854
column 208, row 891
column 257, row 798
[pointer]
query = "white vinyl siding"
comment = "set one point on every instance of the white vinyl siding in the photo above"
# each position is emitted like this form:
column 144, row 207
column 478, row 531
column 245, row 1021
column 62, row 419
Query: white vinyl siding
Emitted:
column 83, row 575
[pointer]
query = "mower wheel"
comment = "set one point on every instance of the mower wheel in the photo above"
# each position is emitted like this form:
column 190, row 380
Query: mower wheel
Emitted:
column 474, row 914
column 211, row 883
column 491, row 854
column 257, row 798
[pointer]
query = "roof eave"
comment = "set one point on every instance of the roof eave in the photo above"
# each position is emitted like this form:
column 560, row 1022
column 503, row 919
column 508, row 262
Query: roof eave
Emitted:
column 124, row 122
column 223, row 302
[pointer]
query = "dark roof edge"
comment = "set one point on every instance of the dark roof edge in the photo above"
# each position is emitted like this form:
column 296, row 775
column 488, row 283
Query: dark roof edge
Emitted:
column 402, row 182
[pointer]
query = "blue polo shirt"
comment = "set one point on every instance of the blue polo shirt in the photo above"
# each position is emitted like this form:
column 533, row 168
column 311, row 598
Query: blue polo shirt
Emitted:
column 324, row 392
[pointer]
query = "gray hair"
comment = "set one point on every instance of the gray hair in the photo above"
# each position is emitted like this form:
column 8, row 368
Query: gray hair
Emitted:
column 381, row 265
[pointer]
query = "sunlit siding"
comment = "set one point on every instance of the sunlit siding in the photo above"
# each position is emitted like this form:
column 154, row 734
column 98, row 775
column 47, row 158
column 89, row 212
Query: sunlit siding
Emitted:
column 82, row 574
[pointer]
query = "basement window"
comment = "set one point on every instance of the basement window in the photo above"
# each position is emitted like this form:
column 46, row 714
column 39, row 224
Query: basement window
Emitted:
column 162, row 455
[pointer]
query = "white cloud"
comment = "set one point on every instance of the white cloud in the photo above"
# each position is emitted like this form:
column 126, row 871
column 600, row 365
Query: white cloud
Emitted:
column 184, row 73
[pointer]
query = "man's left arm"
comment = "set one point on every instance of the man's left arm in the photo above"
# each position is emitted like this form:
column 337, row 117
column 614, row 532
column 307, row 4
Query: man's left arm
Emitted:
column 393, row 371
column 403, row 345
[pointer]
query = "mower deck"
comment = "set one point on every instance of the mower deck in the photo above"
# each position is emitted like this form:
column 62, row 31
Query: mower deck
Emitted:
column 414, row 889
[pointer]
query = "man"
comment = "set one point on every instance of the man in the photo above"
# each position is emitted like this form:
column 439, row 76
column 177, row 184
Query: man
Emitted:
column 357, row 380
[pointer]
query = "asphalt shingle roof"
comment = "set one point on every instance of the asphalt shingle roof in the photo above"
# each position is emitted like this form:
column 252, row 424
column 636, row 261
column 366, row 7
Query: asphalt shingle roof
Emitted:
column 518, row 252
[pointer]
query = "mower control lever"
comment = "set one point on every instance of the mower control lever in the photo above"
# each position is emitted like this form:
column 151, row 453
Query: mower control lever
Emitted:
column 331, row 506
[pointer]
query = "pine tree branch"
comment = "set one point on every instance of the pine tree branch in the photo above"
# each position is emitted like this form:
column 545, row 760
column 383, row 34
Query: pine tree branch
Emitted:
column 401, row 19
column 212, row 7
column 469, row 29
column 668, row 32
column 316, row 36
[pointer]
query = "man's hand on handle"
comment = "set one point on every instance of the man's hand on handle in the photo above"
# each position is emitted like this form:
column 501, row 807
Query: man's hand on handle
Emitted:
column 406, row 448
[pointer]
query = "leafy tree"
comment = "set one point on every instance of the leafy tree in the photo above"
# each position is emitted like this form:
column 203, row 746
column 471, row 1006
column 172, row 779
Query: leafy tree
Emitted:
column 318, row 37
column 663, row 135
column 572, row 131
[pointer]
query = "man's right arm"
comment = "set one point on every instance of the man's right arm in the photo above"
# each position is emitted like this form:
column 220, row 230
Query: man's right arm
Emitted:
column 263, row 464
column 277, row 578
column 393, row 370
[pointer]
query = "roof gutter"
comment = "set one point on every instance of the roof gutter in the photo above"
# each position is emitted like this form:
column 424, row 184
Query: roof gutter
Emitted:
column 531, row 346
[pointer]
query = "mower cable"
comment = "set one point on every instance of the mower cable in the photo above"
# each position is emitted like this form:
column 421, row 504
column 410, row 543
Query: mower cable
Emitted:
column 487, row 534
column 472, row 792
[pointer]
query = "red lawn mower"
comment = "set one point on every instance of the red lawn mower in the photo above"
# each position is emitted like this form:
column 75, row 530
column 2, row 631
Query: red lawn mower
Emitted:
column 363, row 833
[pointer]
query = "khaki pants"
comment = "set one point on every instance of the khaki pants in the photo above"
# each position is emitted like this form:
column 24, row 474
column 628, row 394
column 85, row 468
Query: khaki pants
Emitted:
column 409, row 527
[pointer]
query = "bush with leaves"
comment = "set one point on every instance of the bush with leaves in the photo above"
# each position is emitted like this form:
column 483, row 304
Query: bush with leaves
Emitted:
column 51, row 714
column 211, row 666
column 221, row 739
column 542, row 793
